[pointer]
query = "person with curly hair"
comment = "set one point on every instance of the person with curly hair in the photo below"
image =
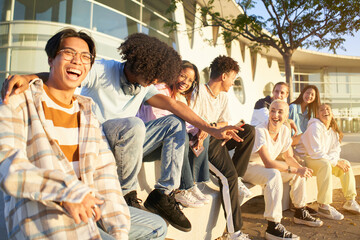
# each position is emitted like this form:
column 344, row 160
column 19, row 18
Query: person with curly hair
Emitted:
column 118, row 89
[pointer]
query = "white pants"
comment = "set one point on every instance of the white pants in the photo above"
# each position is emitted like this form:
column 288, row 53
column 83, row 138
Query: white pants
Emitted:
column 272, row 180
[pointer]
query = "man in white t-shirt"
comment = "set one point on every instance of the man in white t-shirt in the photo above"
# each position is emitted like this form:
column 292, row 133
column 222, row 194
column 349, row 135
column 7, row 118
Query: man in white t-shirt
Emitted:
column 273, row 138
column 211, row 103
column 261, row 108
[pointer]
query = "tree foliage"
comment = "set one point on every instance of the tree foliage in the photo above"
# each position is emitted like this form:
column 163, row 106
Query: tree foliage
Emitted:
column 291, row 24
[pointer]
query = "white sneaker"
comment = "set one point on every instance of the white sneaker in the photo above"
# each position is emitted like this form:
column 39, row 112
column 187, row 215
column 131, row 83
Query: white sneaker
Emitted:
column 352, row 206
column 330, row 212
column 243, row 190
column 236, row 236
column 199, row 195
column 187, row 199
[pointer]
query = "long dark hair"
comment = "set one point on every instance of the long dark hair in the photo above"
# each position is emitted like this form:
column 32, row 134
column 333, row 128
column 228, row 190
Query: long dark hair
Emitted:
column 312, row 107
column 194, row 86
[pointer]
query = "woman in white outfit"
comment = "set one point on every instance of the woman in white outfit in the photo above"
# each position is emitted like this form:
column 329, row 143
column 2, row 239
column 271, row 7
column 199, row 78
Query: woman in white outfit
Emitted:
column 273, row 138
column 320, row 147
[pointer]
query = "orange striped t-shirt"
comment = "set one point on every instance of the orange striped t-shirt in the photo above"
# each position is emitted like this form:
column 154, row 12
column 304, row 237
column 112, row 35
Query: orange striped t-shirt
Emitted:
column 64, row 120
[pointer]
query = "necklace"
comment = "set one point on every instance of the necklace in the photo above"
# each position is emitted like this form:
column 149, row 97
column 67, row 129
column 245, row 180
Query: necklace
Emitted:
column 211, row 92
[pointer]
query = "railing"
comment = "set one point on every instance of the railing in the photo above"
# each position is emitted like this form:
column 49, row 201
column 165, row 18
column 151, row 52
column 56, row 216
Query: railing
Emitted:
column 348, row 124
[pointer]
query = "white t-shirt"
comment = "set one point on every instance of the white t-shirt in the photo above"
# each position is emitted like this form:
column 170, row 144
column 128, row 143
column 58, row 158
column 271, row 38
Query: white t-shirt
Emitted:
column 209, row 108
column 263, row 138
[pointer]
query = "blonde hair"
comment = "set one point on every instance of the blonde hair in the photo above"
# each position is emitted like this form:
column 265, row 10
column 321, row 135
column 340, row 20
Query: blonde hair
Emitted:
column 281, row 102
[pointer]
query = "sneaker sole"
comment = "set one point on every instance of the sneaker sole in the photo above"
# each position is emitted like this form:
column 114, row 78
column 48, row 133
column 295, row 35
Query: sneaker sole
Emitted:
column 268, row 236
column 308, row 223
column 190, row 205
column 154, row 210
column 329, row 216
column 352, row 211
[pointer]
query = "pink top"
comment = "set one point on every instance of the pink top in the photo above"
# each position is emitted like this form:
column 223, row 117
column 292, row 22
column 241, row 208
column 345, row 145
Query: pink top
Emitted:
column 148, row 113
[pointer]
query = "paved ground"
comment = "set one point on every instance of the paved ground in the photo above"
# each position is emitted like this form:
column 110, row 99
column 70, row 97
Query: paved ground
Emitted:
column 347, row 229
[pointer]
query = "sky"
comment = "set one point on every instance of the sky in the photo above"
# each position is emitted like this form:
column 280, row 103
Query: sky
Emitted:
column 352, row 44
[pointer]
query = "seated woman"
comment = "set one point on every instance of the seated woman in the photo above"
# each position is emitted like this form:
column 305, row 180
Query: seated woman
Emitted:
column 320, row 147
column 195, row 168
column 304, row 108
column 271, row 139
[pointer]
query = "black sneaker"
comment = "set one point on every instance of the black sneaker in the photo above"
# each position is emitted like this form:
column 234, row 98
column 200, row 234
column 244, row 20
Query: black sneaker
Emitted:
column 132, row 200
column 166, row 206
column 302, row 216
column 312, row 211
column 276, row 231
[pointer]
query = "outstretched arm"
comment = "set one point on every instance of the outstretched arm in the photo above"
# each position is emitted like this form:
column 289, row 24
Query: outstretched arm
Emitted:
column 183, row 111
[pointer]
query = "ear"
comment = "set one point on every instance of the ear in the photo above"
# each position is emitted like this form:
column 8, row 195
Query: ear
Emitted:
column 223, row 76
column 50, row 61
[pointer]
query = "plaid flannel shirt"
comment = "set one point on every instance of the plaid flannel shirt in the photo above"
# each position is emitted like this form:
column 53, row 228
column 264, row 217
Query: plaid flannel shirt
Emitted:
column 35, row 175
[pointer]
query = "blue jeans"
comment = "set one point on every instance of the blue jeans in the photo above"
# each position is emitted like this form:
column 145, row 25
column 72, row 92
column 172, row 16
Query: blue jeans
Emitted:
column 130, row 139
column 195, row 169
column 144, row 226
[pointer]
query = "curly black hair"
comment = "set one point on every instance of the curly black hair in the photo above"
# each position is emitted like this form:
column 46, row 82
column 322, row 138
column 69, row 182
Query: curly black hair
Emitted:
column 223, row 64
column 151, row 58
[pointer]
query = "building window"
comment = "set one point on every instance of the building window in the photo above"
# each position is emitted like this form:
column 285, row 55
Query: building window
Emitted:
column 268, row 89
column 127, row 7
column 238, row 88
column 113, row 24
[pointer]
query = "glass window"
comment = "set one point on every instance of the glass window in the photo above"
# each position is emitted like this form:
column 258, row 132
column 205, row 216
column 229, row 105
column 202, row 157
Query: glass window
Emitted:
column 3, row 59
column 2, row 78
column 19, row 10
column 4, row 37
column 268, row 89
column 239, row 90
column 159, row 6
column 5, row 10
column 79, row 13
column 75, row 12
column 126, row 6
column 36, row 61
column 113, row 24
column 153, row 20
column 32, row 40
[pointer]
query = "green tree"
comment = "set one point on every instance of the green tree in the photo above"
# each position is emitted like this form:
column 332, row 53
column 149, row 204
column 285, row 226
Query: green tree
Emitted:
column 290, row 24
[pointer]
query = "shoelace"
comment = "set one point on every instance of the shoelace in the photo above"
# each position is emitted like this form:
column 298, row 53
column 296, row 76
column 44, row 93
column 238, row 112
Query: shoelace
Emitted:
column 282, row 229
column 306, row 215
column 173, row 203
column 135, row 201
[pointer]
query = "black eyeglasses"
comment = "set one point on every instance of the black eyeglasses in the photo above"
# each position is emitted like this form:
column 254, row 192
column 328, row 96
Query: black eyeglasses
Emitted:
column 69, row 54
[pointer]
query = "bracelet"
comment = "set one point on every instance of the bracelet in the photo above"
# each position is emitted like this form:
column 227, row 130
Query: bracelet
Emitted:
column 289, row 169
column 213, row 124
